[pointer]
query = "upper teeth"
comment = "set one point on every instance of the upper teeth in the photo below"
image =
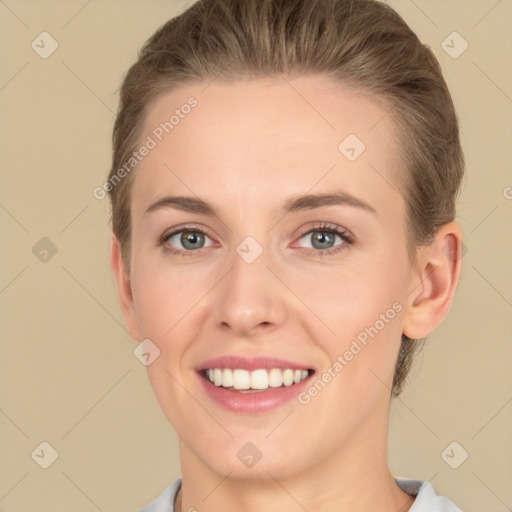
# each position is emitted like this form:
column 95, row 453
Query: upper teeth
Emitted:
column 257, row 379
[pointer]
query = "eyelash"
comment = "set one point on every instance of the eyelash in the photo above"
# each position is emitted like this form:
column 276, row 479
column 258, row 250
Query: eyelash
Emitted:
column 323, row 227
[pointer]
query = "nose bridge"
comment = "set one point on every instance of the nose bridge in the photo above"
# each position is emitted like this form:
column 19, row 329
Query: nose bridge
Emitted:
column 249, row 297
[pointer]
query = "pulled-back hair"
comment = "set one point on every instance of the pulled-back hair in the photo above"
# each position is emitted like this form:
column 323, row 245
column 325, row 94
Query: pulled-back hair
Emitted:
column 363, row 44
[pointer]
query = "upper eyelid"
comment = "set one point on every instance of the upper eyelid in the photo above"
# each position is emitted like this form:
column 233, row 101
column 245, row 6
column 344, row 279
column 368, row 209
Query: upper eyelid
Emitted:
column 302, row 232
column 325, row 227
column 340, row 231
column 174, row 231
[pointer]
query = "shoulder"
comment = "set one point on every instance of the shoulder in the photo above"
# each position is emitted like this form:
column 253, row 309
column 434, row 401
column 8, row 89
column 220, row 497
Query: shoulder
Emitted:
column 426, row 498
column 164, row 502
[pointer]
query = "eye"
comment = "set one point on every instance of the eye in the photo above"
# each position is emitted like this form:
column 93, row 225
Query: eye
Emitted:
column 325, row 239
column 185, row 240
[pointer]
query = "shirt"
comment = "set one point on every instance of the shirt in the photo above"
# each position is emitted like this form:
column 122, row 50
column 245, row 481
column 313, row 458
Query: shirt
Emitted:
column 426, row 499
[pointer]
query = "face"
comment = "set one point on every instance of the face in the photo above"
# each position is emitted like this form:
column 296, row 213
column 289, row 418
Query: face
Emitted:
column 269, row 248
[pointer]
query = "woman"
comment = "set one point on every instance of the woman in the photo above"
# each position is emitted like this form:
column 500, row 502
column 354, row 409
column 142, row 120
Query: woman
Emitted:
column 283, row 193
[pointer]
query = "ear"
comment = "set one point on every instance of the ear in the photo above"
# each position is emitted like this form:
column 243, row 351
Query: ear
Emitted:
column 434, row 282
column 124, row 289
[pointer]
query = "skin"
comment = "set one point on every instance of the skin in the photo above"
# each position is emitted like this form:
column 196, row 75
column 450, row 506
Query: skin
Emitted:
column 245, row 149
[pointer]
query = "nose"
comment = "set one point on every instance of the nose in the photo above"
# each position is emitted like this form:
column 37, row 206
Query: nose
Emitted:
column 250, row 300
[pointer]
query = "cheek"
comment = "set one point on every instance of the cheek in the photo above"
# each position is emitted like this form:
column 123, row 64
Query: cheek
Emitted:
column 165, row 296
column 349, row 300
column 361, row 356
column 357, row 322
column 168, row 302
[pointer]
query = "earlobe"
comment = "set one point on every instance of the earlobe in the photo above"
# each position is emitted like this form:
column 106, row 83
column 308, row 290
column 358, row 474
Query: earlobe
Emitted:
column 434, row 283
column 124, row 289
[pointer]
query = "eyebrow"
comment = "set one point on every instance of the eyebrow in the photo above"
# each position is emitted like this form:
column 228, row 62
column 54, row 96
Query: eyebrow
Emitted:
column 292, row 204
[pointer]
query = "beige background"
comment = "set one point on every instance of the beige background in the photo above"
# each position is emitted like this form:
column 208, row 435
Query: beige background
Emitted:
column 68, row 373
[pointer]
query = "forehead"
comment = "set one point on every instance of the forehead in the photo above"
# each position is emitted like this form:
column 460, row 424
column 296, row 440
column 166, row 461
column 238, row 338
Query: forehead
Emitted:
column 267, row 137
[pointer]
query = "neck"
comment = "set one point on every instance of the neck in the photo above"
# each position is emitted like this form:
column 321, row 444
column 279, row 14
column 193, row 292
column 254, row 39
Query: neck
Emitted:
column 355, row 477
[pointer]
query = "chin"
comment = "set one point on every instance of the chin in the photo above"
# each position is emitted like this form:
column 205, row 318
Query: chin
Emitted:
column 248, row 463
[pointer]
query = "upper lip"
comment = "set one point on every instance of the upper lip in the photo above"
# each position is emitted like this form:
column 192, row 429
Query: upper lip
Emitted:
column 251, row 363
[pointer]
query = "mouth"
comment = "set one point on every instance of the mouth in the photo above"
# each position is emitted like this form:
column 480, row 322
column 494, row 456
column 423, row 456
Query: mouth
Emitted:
column 252, row 385
column 259, row 380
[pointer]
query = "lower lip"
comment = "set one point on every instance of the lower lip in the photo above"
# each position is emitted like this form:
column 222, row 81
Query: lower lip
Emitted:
column 255, row 402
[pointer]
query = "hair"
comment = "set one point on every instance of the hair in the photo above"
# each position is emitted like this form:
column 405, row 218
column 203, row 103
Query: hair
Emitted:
column 362, row 44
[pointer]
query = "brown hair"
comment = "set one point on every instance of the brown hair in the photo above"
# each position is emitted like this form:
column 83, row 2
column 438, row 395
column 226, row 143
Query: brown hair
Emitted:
column 359, row 43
